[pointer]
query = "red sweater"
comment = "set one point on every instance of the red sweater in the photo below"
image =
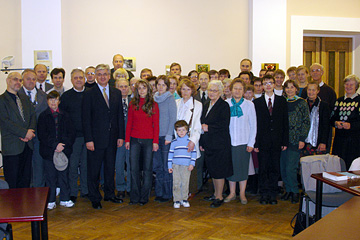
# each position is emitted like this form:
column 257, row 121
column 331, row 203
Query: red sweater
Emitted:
column 140, row 125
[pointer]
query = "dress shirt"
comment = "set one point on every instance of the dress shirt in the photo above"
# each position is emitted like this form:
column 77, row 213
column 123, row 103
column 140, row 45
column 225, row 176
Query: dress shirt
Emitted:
column 278, row 92
column 106, row 90
column 267, row 99
column 78, row 90
column 184, row 107
column 32, row 94
column 201, row 94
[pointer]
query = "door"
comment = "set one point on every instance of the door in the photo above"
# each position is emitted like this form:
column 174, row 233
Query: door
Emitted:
column 334, row 54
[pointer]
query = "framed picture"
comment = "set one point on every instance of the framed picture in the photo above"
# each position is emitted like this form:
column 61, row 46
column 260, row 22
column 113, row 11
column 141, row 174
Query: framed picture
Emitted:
column 130, row 63
column 167, row 70
column 202, row 67
column 270, row 66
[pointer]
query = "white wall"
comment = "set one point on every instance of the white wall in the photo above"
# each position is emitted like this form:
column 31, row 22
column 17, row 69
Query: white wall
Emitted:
column 156, row 32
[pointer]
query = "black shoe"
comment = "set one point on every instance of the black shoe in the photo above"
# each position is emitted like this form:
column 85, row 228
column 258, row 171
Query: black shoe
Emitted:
column 273, row 201
column 113, row 199
column 133, row 203
column 163, row 200
column 96, row 205
column 295, row 198
column 84, row 195
column 142, row 203
column 73, row 199
column 158, row 199
column 286, row 196
column 263, row 200
column 216, row 203
column 209, row 198
column 120, row 194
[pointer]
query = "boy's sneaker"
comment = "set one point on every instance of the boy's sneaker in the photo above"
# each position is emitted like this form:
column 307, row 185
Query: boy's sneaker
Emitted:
column 67, row 203
column 185, row 203
column 51, row 205
column 177, row 204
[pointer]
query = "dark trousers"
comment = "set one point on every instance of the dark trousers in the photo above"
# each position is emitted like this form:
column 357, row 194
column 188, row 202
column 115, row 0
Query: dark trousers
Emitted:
column 140, row 188
column 38, row 178
column 269, row 171
column 78, row 162
column 95, row 159
column 163, row 181
column 55, row 178
column 17, row 169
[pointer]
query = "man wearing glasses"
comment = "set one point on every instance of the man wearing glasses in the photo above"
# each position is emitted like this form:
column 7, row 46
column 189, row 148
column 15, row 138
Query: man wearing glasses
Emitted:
column 272, row 137
column 90, row 77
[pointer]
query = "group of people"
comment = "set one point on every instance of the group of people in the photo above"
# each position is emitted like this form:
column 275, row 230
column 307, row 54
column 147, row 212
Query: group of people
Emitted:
column 117, row 130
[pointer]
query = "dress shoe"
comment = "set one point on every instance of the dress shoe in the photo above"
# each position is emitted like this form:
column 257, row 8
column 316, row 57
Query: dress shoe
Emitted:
column 96, row 205
column 133, row 203
column 163, row 200
column 286, row 196
column 73, row 199
column 216, row 203
column 263, row 200
column 142, row 203
column 113, row 199
column 120, row 194
column 228, row 199
column 295, row 198
column 273, row 201
column 209, row 198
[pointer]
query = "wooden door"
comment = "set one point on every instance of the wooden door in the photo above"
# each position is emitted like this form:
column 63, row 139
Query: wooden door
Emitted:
column 335, row 54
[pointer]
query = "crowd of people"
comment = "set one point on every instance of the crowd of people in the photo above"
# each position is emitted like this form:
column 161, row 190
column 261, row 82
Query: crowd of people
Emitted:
column 114, row 131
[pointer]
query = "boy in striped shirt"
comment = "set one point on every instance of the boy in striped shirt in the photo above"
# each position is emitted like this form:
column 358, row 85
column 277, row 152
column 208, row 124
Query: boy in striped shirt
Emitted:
column 181, row 162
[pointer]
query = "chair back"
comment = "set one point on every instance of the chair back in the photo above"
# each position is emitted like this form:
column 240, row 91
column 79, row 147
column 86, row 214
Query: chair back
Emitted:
column 355, row 165
column 3, row 184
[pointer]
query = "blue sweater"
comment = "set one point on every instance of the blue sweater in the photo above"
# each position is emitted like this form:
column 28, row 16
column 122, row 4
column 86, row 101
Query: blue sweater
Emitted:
column 178, row 153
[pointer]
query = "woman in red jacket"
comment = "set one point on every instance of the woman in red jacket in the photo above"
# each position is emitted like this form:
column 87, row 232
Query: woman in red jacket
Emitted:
column 142, row 138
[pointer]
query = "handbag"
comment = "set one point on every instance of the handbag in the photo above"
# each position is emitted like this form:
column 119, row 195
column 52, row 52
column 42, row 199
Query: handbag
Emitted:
column 298, row 223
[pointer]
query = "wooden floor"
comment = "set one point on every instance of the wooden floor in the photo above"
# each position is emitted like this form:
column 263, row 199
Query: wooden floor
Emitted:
column 161, row 221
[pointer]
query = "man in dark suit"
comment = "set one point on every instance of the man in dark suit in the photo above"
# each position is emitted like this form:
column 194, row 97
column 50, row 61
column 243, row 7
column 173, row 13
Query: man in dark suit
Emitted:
column 272, row 138
column 118, row 62
column 103, row 127
column 17, row 124
column 38, row 99
column 41, row 73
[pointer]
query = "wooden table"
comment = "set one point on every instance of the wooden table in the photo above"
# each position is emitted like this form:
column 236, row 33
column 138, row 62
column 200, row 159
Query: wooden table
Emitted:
column 342, row 185
column 26, row 205
column 342, row 223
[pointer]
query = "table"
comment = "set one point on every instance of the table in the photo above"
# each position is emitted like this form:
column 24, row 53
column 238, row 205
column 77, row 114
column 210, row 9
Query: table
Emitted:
column 26, row 205
column 342, row 185
column 342, row 223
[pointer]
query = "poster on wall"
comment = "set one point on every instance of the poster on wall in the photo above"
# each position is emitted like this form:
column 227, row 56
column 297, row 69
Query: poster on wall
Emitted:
column 270, row 66
column 44, row 57
column 130, row 64
column 202, row 67
column 167, row 70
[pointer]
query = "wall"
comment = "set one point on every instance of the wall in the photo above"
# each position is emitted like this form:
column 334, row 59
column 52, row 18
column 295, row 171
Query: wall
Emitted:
column 156, row 32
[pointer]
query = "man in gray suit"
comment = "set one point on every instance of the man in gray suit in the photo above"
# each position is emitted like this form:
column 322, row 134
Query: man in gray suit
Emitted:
column 38, row 99
column 41, row 73
column 17, row 124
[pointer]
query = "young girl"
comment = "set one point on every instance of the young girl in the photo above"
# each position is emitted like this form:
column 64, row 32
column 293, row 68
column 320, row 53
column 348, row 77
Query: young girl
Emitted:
column 142, row 138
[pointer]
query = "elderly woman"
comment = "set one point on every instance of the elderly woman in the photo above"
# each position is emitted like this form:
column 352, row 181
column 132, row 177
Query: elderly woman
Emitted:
column 346, row 119
column 167, row 111
column 121, row 73
column 215, row 141
column 242, row 133
column 299, row 125
column 316, row 141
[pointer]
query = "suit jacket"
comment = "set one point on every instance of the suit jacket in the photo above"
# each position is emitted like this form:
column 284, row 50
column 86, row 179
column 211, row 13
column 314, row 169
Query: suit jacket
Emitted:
column 12, row 125
column 272, row 131
column 47, row 133
column 41, row 101
column 198, row 97
column 102, row 124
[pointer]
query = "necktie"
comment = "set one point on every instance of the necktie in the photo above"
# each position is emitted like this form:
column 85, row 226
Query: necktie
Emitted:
column 41, row 87
column 270, row 106
column 29, row 94
column 203, row 98
column 125, row 108
column 20, row 107
column 106, row 97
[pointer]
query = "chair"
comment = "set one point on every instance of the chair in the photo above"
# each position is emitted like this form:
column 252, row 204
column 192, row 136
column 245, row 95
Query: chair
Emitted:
column 355, row 165
column 5, row 229
column 332, row 197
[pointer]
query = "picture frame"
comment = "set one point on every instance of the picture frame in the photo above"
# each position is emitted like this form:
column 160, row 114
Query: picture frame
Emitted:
column 167, row 70
column 270, row 66
column 202, row 67
column 130, row 63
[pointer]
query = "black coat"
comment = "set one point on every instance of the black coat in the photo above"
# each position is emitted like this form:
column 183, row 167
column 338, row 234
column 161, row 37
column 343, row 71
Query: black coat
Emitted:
column 324, row 123
column 47, row 133
column 272, row 131
column 101, row 124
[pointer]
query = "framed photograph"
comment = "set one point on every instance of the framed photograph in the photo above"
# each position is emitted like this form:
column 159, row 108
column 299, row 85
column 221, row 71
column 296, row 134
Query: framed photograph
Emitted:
column 167, row 70
column 130, row 63
column 270, row 66
column 202, row 67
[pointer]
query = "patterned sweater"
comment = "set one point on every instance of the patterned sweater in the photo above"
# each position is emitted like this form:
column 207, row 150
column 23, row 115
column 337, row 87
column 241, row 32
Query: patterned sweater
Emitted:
column 178, row 153
column 299, row 121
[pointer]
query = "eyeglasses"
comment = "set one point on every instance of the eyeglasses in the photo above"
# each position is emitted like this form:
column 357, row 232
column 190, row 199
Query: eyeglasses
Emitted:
column 268, row 83
column 90, row 73
column 213, row 90
column 316, row 70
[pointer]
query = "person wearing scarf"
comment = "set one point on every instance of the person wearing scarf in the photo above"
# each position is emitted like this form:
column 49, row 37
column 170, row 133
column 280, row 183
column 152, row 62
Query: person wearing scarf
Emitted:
column 242, row 132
